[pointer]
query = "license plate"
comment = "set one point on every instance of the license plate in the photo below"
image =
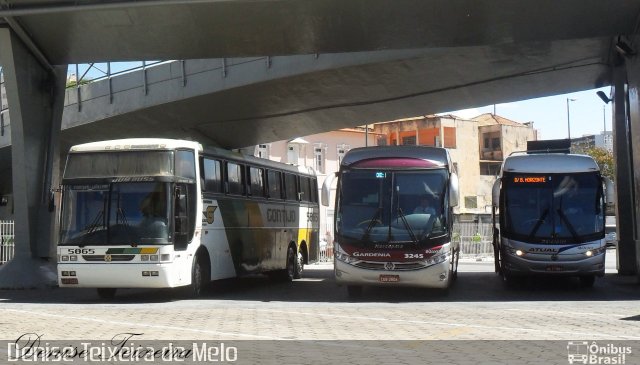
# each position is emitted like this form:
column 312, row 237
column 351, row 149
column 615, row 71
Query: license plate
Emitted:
column 555, row 268
column 389, row 278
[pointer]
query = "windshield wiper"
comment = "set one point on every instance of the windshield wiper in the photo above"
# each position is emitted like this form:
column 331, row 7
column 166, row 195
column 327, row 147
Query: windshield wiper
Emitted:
column 568, row 224
column 406, row 224
column 372, row 224
column 540, row 220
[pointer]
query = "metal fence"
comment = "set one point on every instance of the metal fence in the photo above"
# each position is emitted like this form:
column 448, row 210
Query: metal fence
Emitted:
column 6, row 241
column 475, row 238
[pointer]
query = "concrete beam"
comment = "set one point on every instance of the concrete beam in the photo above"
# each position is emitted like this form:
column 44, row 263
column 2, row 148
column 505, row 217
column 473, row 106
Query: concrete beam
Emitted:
column 35, row 94
column 623, row 150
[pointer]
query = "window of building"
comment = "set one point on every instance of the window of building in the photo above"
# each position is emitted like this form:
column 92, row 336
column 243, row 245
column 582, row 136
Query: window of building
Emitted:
column 410, row 140
column 449, row 134
column 256, row 181
column 212, row 176
column 342, row 150
column 486, row 142
column 293, row 153
column 495, row 143
column 319, row 157
column 275, row 184
column 234, row 179
column 262, row 151
column 470, row 201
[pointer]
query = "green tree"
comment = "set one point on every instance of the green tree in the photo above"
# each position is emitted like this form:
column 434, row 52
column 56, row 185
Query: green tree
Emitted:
column 604, row 158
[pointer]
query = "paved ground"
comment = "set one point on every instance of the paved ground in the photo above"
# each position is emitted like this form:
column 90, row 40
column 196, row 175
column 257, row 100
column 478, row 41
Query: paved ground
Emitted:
column 478, row 308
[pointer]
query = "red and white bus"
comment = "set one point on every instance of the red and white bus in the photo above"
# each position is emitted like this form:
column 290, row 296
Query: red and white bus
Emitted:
column 394, row 218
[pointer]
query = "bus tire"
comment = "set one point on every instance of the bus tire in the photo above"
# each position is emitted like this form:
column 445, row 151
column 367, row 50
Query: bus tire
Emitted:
column 587, row 281
column 290, row 271
column 200, row 276
column 299, row 267
column 287, row 274
column 106, row 293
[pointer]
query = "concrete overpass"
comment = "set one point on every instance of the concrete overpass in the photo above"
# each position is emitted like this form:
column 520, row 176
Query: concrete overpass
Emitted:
column 332, row 64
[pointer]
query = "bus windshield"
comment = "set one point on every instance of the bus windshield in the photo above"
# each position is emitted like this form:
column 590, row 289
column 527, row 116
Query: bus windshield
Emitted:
column 565, row 207
column 393, row 206
column 118, row 213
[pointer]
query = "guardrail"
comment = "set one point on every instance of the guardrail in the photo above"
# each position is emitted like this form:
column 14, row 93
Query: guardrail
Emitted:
column 475, row 238
column 6, row 241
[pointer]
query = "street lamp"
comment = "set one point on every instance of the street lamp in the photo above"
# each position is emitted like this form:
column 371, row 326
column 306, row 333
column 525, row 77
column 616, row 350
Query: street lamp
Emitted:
column 569, row 118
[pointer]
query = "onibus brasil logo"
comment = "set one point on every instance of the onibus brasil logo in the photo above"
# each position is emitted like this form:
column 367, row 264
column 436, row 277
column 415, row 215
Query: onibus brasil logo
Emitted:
column 583, row 352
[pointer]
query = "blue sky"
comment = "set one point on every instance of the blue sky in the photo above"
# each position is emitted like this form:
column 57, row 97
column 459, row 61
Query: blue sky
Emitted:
column 549, row 114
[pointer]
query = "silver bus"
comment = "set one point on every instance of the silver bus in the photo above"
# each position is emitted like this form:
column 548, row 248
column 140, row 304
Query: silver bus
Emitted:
column 549, row 214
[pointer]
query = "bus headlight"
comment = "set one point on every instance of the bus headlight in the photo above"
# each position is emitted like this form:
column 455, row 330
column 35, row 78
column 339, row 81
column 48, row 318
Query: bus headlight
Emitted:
column 519, row 253
column 589, row 253
column 340, row 255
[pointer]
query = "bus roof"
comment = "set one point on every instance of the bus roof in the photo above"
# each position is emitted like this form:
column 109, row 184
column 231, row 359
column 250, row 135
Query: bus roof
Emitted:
column 549, row 163
column 135, row 144
column 130, row 144
column 435, row 156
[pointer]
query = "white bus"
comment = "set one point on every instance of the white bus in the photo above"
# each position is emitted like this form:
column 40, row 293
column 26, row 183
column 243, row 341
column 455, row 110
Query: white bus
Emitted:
column 159, row 213
column 394, row 217
column 549, row 214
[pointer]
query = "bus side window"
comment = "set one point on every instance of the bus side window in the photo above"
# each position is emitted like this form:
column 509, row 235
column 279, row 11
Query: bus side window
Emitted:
column 235, row 179
column 212, row 176
column 185, row 164
column 290, row 187
column 305, row 189
column 256, row 181
column 275, row 184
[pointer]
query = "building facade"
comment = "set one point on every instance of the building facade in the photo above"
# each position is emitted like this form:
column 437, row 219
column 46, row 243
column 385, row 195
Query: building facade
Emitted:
column 477, row 147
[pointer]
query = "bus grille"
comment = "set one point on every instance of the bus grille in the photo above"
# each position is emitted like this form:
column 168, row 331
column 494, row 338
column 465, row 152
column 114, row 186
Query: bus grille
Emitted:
column 114, row 258
column 397, row 266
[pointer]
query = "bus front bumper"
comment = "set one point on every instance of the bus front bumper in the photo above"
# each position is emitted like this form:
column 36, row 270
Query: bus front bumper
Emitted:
column 435, row 276
column 515, row 265
column 113, row 275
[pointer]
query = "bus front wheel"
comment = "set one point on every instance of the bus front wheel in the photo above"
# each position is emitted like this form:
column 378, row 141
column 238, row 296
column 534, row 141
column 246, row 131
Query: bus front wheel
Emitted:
column 199, row 276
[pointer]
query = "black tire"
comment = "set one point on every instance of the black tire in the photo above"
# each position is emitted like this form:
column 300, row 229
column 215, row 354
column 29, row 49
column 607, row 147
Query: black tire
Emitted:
column 354, row 291
column 299, row 266
column 287, row 274
column 106, row 293
column 587, row 281
column 454, row 265
column 290, row 271
column 200, row 276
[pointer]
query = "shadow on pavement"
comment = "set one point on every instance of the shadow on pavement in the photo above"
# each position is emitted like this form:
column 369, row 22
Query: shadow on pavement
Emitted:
column 318, row 285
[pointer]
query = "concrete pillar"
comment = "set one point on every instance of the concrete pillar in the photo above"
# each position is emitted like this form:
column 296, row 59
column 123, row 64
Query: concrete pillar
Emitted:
column 633, row 90
column 623, row 150
column 35, row 92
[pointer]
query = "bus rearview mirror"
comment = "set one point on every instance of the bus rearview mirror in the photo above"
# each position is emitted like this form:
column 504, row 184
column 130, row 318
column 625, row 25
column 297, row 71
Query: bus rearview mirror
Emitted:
column 454, row 190
column 495, row 192
column 325, row 194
